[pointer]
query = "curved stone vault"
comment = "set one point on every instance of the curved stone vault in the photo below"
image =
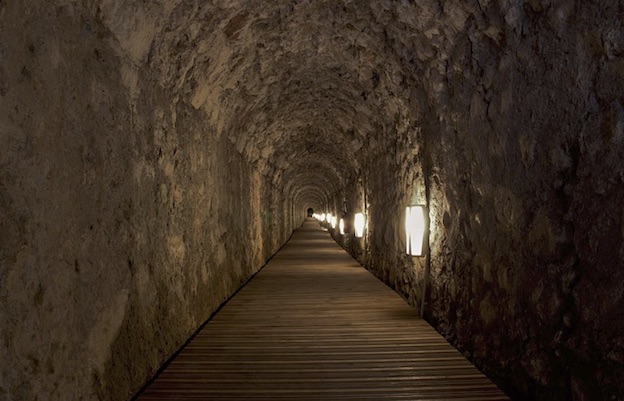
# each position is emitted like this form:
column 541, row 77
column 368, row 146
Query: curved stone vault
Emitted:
column 156, row 153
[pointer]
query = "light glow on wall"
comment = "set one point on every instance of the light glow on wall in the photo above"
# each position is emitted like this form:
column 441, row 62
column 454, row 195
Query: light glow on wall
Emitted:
column 333, row 221
column 328, row 218
column 415, row 230
column 359, row 224
column 341, row 226
column 322, row 217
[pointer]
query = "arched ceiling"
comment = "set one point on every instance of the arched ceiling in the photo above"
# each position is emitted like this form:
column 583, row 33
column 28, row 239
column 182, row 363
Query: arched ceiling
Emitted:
column 302, row 88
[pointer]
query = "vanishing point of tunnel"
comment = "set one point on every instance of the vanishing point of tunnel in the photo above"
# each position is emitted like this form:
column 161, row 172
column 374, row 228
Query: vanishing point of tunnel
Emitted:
column 155, row 154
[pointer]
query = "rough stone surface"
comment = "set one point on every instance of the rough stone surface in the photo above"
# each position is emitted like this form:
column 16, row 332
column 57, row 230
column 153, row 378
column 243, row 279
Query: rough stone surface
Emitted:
column 125, row 221
column 154, row 154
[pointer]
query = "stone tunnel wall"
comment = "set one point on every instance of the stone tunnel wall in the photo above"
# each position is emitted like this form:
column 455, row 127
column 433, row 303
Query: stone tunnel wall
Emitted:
column 527, row 181
column 124, row 220
column 521, row 151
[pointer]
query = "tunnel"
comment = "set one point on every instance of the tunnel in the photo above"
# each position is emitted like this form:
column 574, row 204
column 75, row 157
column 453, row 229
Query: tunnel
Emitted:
column 155, row 154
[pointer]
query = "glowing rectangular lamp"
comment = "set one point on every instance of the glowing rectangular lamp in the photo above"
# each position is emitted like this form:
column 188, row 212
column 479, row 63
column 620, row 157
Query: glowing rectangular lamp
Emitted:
column 333, row 221
column 415, row 230
column 341, row 226
column 359, row 224
column 322, row 216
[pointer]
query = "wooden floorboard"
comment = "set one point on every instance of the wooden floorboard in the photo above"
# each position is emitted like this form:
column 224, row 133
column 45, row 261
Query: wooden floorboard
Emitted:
column 315, row 325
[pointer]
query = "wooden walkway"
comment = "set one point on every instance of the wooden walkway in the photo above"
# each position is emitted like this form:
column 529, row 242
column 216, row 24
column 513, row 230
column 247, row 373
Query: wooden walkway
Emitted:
column 315, row 325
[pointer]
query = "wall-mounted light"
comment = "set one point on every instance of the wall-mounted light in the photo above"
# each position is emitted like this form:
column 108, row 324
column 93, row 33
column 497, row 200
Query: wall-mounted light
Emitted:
column 333, row 221
column 341, row 226
column 322, row 217
column 415, row 230
column 328, row 218
column 359, row 224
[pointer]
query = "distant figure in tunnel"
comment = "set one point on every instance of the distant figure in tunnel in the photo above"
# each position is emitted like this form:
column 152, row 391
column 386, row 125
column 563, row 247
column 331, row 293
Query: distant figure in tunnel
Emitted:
column 310, row 212
column 346, row 216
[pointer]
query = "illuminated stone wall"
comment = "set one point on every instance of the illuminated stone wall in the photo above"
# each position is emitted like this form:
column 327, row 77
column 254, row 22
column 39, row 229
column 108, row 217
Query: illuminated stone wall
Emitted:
column 518, row 139
column 125, row 221
column 527, row 183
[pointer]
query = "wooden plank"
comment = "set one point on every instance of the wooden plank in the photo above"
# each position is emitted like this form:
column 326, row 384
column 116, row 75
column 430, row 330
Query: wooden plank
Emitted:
column 314, row 325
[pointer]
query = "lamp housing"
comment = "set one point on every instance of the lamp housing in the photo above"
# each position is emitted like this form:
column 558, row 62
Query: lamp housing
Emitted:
column 416, row 230
column 359, row 223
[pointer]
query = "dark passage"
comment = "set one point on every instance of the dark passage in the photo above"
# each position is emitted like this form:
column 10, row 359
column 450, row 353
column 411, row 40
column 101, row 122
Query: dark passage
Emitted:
column 155, row 154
